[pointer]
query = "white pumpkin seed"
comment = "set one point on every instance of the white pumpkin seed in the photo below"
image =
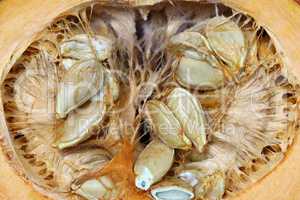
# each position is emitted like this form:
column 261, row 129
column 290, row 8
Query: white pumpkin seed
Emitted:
column 190, row 115
column 197, row 66
column 166, row 126
column 84, row 47
column 77, row 163
column 80, row 124
column 79, row 84
column 189, row 40
column 97, row 189
column 152, row 164
column 174, row 189
column 199, row 74
column 227, row 41
column 207, row 178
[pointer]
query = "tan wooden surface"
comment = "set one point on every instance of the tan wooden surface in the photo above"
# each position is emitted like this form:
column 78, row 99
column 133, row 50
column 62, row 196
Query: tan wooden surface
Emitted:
column 21, row 20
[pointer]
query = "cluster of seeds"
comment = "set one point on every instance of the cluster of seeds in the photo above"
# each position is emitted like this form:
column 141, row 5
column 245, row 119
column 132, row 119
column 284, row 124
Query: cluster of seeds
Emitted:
column 167, row 102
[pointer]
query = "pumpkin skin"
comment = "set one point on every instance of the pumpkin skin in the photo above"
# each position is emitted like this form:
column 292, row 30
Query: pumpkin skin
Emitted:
column 20, row 24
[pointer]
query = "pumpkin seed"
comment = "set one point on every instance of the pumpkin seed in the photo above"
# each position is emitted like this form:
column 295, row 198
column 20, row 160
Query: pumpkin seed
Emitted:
column 198, row 74
column 266, row 49
column 97, row 189
column 166, row 125
column 189, row 40
column 77, row 163
column 84, row 47
column 190, row 115
column 81, row 124
column 174, row 189
column 79, row 84
column 152, row 164
column 227, row 41
column 197, row 67
column 207, row 178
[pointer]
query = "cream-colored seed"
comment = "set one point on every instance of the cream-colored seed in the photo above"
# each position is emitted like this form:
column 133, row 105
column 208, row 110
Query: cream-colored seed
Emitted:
column 252, row 48
column 97, row 189
column 206, row 177
column 197, row 67
column 199, row 74
column 79, row 84
column 227, row 41
column 172, row 188
column 77, row 163
column 190, row 115
column 80, row 124
column 166, row 126
column 84, row 47
column 189, row 40
column 153, row 164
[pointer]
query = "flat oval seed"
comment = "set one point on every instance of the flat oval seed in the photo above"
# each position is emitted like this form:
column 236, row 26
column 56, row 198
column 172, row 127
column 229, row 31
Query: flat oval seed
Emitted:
column 189, row 40
column 174, row 189
column 166, row 126
column 199, row 74
column 96, row 189
column 227, row 40
column 190, row 114
column 77, row 163
column 152, row 164
column 91, row 190
column 197, row 68
column 207, row 177
column 80, row 124
column 79, row 84
column 84, row 47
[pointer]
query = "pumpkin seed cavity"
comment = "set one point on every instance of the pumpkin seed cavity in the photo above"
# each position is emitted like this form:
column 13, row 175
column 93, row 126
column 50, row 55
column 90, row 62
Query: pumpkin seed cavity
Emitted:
column 204, row 98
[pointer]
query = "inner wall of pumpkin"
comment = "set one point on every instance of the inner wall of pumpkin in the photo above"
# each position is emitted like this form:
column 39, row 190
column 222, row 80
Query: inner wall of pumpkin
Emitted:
column 198, row 91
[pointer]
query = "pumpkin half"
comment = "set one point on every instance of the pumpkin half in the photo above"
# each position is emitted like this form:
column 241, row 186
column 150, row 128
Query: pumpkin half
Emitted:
column 124, row 47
